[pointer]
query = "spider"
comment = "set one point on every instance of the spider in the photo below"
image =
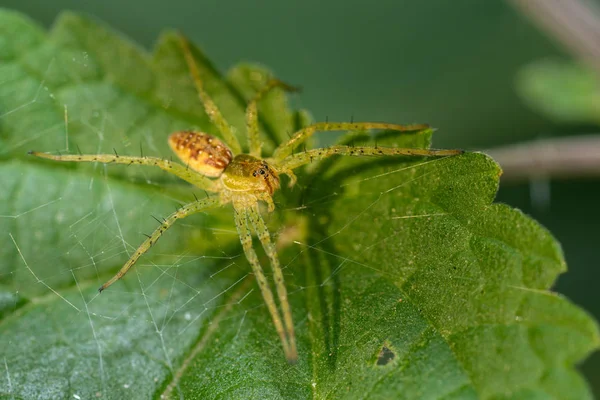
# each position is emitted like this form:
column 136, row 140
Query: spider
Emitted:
column 220, row 167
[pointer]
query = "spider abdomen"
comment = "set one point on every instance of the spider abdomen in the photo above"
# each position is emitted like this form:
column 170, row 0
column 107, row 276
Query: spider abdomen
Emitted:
column 201, row 152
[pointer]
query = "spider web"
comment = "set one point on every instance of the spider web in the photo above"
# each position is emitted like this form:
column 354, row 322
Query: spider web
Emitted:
column 65, row 228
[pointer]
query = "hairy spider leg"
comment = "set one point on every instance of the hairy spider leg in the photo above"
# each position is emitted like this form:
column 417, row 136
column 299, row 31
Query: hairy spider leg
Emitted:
column 174, row 168
column 254, row 142
column 285, row 149
column 241, row 223
column 305, row 157
column 187, row 210
column 265, row 238
column 210, row 107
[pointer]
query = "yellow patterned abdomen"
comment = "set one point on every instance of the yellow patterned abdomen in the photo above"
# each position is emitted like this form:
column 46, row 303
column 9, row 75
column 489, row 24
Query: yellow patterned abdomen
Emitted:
column 201, row 152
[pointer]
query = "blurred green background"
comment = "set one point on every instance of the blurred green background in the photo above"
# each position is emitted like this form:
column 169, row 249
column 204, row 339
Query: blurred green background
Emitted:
column 452, row 64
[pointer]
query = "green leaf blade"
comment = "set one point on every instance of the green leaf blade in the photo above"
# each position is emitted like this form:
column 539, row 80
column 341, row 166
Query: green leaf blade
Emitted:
column 566, row 92
column 406, row 281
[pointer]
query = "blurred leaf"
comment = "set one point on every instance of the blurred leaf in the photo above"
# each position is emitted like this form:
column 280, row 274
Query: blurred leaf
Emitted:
column 405, row 280
column 564, row 91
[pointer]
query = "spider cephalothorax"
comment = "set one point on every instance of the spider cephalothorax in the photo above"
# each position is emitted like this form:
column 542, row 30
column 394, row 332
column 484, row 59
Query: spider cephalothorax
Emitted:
column 248, row 179
column 243, row 179
column 246, row 173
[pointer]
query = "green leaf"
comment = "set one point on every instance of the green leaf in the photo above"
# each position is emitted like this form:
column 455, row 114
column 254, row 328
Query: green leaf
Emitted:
column 564, row 91
column 406, row 281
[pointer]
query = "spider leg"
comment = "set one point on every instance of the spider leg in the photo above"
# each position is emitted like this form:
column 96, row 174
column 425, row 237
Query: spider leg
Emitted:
column 210, row 107
column 287, row 171
column 263, row 235
column 285, row 149
column 305, row 157
column 188, row 209
column 254, row 142
column 179, row 170
column 267, row 199
column 241, row 223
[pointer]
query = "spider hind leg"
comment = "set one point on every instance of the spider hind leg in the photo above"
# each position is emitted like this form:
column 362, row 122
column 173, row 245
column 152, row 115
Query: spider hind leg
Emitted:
column 265, row 238
column 245, row 234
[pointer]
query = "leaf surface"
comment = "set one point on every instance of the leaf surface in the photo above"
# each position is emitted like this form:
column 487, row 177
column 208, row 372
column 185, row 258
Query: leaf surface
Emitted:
column 406, row 280
column 567, row 92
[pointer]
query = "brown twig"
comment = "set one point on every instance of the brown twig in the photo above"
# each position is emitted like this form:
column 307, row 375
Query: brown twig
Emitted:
column 568, row 157
column 575, row 23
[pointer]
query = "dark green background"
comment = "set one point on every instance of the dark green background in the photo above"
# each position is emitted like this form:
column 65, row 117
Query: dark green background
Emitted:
column 452, row 64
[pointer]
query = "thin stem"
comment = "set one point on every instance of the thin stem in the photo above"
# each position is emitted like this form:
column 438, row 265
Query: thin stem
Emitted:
column 575, row 23
column 568, row 157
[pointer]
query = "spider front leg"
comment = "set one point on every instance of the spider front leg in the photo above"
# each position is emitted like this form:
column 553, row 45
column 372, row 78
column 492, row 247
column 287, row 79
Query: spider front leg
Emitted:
column 266, row 197
column 305, row 157
column 179, row 170
column 254, row 142
column 245, row 234
column 285, row 149
column 285, row 171
column 265, row 238
column 187, row 210
column 210, row 107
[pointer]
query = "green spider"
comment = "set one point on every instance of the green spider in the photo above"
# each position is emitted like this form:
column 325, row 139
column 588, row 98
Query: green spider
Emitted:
column 220, row 167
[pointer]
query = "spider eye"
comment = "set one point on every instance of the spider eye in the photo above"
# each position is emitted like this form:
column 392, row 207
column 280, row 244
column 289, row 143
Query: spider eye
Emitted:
column 263, row 171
